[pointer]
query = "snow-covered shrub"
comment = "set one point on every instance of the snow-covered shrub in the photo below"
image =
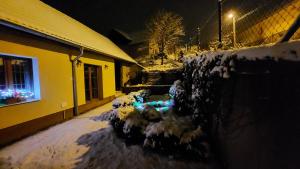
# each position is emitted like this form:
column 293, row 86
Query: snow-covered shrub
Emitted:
column 150, row 113
column 134, row 127
column 175, row 134
column 132, row 97
column 128, row 122
column 123, row 101
column 125, row 118
column 124, row 112
column 202, row 79
column 119, row 116
column 134, row 120
column 159, row 124
column 169, row 126
column 140, row 96
column 178, row 93
column 189, row 136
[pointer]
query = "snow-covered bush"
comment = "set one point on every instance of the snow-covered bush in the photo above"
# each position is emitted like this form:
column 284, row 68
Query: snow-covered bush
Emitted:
column 129, row 99
column 140, row 96
column 178, row 93
column 169, row 126
column 128, row 122
column 134, row 127
column 123, row 101
column 151, row 114
column 125, row 119
column 176, row 134
column 123, row 112
column 155, row 123
column 202, row 78
column 193, row 99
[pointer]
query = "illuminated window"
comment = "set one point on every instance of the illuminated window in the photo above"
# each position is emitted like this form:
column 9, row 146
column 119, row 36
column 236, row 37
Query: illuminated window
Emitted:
column 18, row 80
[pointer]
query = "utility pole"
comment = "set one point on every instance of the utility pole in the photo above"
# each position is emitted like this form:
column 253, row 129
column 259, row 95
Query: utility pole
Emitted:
column 234, row 31
column 232, row 16
column 220, row 22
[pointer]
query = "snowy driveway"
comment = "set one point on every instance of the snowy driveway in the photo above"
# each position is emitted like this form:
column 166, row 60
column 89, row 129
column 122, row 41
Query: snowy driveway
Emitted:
column 84, row 142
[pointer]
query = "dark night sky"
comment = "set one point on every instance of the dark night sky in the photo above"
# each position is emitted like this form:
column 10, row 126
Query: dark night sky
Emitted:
column 131, row 15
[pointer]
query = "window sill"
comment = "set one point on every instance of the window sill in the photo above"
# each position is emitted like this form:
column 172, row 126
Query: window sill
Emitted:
column 24, row 102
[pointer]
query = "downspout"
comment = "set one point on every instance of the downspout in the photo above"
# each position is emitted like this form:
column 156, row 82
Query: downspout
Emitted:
column 74, row 79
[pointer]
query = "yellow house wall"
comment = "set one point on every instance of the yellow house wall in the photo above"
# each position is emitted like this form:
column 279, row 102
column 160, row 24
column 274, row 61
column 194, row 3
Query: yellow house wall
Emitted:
column 55, row 75
column 128, row 71
column 125, row 74
column 108, row 75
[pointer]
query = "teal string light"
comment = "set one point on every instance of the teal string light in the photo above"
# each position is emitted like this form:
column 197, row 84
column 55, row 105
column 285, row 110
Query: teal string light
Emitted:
column 161, row 106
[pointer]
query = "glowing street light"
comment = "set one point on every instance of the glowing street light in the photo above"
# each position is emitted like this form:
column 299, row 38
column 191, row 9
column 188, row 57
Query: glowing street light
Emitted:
column 232, row 16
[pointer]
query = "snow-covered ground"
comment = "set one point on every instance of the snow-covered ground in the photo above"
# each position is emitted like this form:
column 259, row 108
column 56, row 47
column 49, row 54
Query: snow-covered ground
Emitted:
column 154, row 65
column 87, row 141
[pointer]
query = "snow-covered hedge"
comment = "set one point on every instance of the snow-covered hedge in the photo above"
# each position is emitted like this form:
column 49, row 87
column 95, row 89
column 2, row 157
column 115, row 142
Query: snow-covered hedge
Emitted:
column 202, row 78
column 178, row 93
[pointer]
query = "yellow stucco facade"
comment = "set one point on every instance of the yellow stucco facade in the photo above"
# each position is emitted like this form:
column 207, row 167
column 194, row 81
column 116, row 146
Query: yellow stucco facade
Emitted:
column 128, row 71
column 55, row 75
column 108, row 75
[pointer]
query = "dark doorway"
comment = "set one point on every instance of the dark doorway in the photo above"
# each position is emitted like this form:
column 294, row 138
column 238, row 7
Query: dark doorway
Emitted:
column 118, row 75
column 92, row 80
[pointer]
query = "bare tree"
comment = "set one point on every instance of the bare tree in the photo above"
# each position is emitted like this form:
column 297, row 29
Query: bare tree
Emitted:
column 165, row 30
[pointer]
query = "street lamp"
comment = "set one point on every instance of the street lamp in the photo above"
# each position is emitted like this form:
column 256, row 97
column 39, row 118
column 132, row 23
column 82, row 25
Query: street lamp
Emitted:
column 232, row 16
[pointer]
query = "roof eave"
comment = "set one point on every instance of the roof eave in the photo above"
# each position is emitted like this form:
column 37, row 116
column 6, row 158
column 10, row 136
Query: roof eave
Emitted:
column 66, row 42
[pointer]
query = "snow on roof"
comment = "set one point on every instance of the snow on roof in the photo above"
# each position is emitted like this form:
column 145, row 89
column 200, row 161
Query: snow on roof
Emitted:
column 39, row 17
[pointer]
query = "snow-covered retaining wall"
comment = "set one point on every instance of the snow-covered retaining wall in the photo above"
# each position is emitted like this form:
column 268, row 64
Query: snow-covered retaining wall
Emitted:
column 248, row 100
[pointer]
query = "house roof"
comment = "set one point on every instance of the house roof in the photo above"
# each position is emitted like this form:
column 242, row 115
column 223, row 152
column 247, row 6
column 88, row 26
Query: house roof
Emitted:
column 122, row 33
column 39, row 17
column 139, row 37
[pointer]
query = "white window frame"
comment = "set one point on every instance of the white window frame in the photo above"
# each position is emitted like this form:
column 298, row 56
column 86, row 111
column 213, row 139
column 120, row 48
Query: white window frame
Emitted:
column 35, row 78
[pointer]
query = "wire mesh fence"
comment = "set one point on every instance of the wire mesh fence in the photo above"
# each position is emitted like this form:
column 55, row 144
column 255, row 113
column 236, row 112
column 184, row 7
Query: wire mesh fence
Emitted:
column 249, row 23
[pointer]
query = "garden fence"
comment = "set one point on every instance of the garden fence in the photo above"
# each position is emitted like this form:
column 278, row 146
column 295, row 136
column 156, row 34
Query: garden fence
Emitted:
column 255, row 22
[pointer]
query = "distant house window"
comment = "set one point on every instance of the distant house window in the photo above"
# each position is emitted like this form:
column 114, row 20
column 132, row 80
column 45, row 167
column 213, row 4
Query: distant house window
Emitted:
column 91, row 80
column 17, row 80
